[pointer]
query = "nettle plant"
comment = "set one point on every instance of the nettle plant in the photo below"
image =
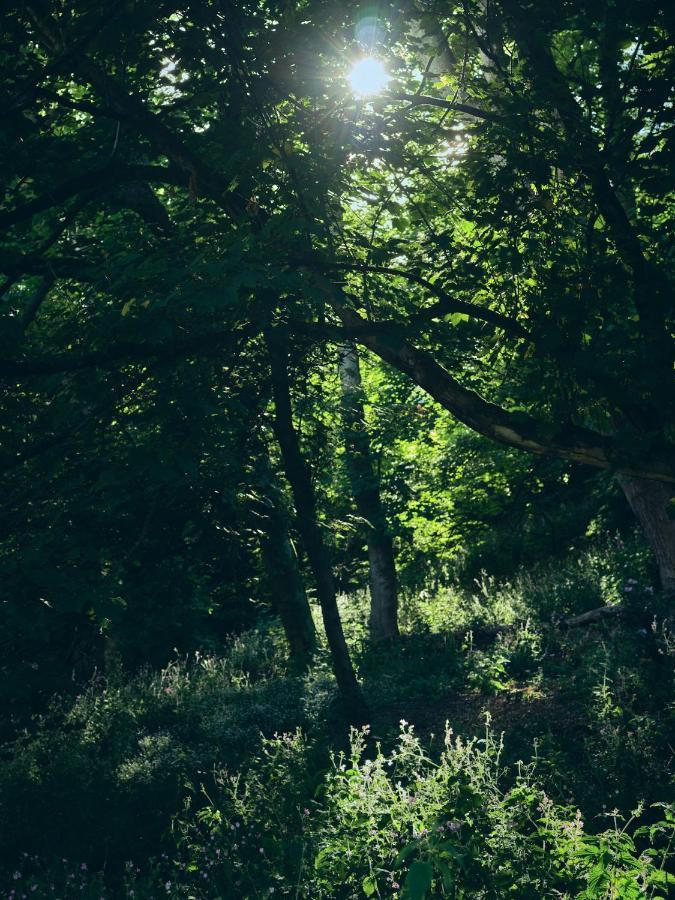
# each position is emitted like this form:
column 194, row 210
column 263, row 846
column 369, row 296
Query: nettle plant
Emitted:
column 403, row 824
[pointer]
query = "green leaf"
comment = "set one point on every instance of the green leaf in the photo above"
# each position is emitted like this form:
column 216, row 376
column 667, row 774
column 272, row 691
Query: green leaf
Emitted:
column 369, row 885
column 321, row 857
column 418, row 880
column 404, row 853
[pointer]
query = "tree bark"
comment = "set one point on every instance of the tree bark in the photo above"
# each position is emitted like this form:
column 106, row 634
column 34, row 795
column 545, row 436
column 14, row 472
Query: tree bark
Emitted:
column 383, row 620
column 305, row 505
column 287, row 591
column 649, row 501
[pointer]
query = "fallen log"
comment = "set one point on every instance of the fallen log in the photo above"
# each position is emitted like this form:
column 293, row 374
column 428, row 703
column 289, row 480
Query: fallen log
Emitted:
column 593, row 615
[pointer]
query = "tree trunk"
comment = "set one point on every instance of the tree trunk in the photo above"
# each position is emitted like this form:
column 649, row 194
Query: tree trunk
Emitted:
column 365, row 488
column 287, row 591
column 308, row 526
column 649, row 501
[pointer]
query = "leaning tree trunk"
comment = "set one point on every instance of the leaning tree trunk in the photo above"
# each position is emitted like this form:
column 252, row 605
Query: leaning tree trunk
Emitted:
column 287, row 591
column 649, row 501
column 310, row 532
column 365, row 488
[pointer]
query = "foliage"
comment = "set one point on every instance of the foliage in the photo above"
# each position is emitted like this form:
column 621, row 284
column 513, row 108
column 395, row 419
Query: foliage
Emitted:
column 188, row 186
column 107, row 770
column 169, row 763
column 391, row 825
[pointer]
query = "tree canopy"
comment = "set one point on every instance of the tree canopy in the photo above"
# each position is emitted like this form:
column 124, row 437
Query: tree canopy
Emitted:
column 188, row 186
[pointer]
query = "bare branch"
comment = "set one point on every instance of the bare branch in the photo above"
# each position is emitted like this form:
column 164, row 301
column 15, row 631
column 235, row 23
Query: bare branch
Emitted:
column 424, row 100
column 446, row 304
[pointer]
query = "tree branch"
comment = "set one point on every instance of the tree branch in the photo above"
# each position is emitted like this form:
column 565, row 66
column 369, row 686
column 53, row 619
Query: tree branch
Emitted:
column 446, row 304
column 15, row 265
column 651, row 287
column 519, row 430
column 424, row 100
column 102, row 180
column 124, row 352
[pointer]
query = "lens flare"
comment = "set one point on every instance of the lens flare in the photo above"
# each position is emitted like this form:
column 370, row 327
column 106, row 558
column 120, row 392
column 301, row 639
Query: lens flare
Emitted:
column 368, row 77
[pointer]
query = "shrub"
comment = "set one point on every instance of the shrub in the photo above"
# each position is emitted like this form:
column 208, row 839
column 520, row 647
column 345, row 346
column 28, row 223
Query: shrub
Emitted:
column 404, row 825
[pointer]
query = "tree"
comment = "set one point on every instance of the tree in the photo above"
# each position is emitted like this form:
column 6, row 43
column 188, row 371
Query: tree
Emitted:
column 365, row 488
column 286, row 588
column 182, row 176
column 510, row 210
column 300, row 481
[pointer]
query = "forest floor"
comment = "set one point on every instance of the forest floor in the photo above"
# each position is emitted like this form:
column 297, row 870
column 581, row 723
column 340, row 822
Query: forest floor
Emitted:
column 158, row 768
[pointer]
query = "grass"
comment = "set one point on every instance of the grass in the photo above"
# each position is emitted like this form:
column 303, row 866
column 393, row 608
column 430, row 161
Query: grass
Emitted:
column 157, row 769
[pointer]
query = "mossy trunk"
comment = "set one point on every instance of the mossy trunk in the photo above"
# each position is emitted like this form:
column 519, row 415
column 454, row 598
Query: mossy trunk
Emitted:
column 366, row 490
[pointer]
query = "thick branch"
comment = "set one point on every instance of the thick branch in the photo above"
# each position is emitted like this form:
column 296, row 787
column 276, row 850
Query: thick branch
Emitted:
column 97, row 180
column 651, row 288
column 16, row 265
column 446, row 304
column 36, row 302
column 124, row 352
column 518, row 430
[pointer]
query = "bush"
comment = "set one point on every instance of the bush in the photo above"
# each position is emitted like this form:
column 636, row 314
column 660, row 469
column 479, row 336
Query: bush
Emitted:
column 404, row 825
column 105, row 774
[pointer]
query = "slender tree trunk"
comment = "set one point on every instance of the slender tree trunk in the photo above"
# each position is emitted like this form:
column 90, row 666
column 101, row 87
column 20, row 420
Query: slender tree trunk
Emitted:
column 287, row 591
column 649, row 501
column 366, row 491
column 305, row 505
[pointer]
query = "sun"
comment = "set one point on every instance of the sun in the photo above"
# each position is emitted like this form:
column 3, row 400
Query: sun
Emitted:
column 368, row 76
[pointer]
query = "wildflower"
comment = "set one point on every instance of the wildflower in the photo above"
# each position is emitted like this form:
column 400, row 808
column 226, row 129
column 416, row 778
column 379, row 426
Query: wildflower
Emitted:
column 17, row 875
column 627, row 588
column 260, row 850
column 395, row 885
column 84, row 867
column 168, row 885
column 305, row 811
column 649, row 589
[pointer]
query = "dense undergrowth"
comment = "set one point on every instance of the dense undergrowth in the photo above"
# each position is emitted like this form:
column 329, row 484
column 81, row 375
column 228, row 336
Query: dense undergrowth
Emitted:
column 507, row 757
